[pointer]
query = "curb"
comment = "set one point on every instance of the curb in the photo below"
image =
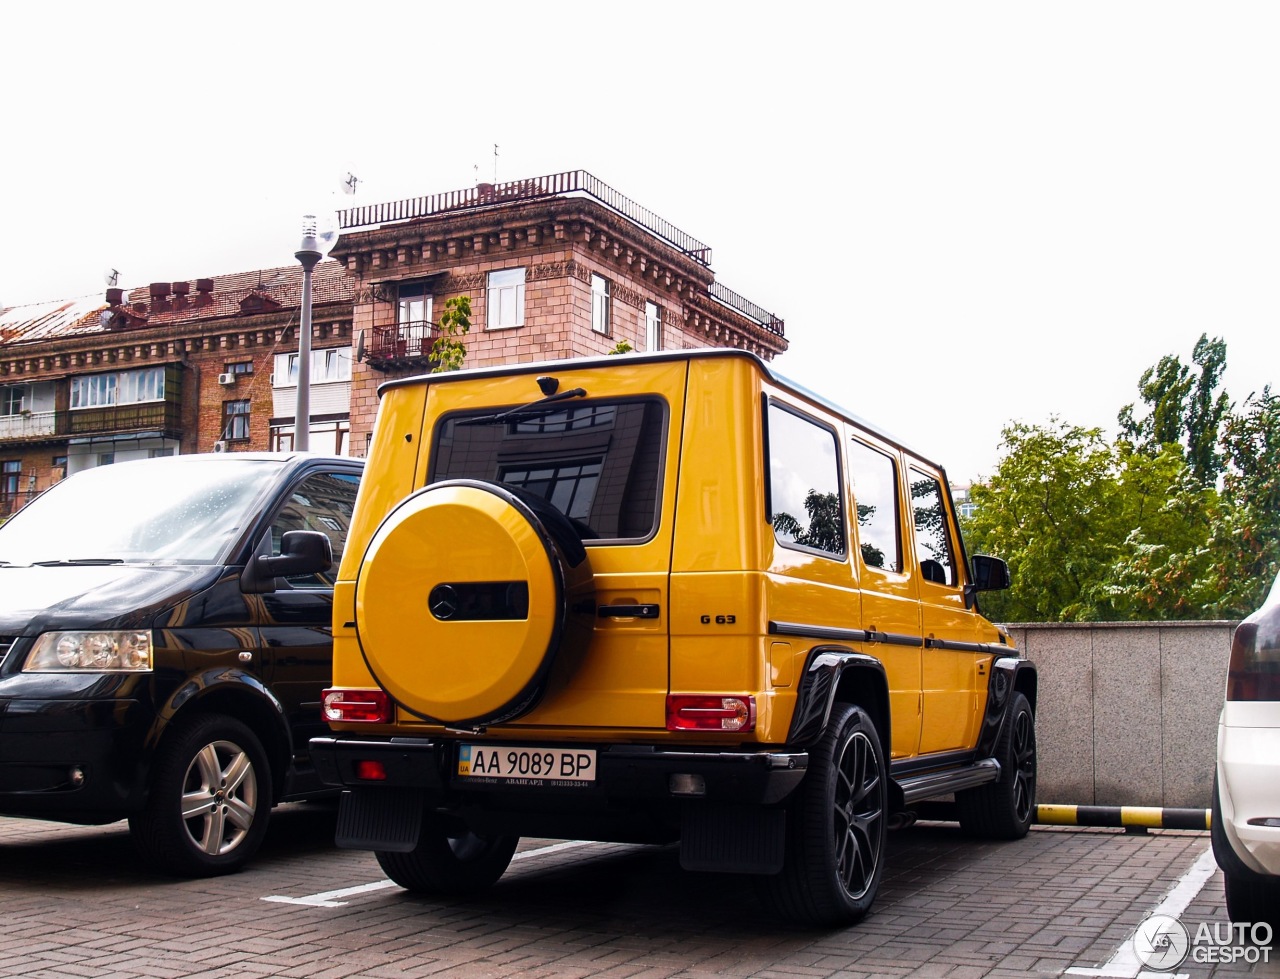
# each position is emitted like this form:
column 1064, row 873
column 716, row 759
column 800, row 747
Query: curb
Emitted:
column 1129, row 817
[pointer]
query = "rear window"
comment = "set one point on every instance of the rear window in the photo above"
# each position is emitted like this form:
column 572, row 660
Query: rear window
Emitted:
column 598, row 462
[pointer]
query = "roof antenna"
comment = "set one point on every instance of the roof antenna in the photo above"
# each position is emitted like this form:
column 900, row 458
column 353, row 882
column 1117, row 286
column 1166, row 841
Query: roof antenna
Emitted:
column 495, row 163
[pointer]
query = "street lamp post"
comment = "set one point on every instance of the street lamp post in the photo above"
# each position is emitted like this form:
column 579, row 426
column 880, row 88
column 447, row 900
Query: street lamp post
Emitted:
column 309, row 254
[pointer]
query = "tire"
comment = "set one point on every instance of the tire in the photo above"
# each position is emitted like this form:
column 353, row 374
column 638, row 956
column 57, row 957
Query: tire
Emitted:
column 449, row 859
column 1005, row 809
column 1251, row 897
column 837, row 827
column 209, row 799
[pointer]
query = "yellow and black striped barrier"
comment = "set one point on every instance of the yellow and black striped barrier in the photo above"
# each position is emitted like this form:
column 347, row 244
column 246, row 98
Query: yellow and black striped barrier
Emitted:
column 1128, row 817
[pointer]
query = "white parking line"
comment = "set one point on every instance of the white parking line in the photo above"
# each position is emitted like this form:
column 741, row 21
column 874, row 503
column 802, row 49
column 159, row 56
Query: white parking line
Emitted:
column 326, row 899
column 1125, row 964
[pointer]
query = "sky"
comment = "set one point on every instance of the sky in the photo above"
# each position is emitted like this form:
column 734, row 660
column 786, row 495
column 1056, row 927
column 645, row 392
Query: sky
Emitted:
column 967, row 214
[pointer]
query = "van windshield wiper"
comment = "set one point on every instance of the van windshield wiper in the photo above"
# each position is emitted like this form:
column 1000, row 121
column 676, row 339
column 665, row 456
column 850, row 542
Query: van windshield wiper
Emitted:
column 77, row 562
column 525, row 411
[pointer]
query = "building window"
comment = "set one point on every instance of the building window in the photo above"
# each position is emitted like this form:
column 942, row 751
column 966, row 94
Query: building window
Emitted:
column 600, row 304
column 652, row 326
column 329, row 437
column 329, row 364
column 506, row 298
column 59, row 468
column 106, row 458
column 122, row 388
column 13, row 400
column 10, row 472
column 235, row 420
column 240, row 367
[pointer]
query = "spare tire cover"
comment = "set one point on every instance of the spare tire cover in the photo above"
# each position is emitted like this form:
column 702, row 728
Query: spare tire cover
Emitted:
column 460, row 603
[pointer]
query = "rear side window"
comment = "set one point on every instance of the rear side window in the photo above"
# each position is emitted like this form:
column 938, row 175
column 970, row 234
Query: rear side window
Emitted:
column 933, row 536
column 598, row 462
column 875, row 480
column 804, row 483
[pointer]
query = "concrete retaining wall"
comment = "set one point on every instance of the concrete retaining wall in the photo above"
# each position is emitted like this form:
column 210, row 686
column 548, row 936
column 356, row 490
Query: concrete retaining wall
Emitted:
column 1127, row 713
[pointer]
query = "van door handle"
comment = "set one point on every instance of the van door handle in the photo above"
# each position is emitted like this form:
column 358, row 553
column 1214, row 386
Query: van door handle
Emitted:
column 628, row 611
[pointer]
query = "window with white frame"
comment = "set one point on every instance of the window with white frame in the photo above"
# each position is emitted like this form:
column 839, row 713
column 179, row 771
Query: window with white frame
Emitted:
column 506, row 299
column 329, row 364
column 13, row 399
column 600, row 304
column 652, row 326
column 122, row 388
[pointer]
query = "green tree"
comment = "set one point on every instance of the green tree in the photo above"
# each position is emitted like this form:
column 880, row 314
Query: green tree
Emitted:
column 1246, row 533
column 1092, row 531
column 1184, row 408
column 448, row 351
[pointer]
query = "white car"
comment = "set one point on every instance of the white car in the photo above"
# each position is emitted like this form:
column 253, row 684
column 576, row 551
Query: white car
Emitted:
column 1246, row 797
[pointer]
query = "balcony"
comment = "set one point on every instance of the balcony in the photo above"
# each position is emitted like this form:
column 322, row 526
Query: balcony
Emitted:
column 28, row 426
column 406, row 346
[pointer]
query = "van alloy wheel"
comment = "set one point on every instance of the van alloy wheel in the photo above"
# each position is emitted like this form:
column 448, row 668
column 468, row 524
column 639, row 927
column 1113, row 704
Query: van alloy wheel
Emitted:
column 209, row 799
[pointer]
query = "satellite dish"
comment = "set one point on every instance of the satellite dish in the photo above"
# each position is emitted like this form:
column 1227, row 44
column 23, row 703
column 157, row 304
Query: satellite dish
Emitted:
column 360, row 348
column 111, row 277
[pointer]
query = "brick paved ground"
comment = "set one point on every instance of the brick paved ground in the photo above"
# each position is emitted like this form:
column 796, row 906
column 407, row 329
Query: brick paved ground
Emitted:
column 74, row 905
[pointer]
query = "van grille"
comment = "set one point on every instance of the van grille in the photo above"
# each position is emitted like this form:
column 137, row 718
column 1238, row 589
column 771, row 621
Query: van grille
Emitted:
column 5, row 643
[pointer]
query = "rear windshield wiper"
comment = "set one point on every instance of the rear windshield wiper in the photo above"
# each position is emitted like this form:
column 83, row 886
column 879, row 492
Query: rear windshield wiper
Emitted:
column 524, row 411
column 77, row 562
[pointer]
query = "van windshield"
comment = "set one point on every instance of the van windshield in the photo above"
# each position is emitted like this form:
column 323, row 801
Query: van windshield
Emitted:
column 599, row 462
column 179, row 510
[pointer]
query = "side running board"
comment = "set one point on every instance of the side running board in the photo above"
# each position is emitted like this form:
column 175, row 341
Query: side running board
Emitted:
column 927, row 785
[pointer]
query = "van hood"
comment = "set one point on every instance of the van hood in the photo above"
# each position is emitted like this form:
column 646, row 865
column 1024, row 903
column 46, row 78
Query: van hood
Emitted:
column 118, row 596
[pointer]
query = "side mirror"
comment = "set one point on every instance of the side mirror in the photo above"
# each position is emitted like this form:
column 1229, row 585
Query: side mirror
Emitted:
column 301, row 552
column 988, row 573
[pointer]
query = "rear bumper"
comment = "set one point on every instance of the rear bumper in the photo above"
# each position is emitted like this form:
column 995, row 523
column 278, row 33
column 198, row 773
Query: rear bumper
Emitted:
column 624, row 772
column 1249, row 794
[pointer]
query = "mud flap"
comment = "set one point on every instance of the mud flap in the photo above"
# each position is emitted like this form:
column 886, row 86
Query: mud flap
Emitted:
column 383, row 819
column 733, row 839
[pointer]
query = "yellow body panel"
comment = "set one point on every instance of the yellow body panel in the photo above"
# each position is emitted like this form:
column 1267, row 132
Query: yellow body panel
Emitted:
column 738, row 611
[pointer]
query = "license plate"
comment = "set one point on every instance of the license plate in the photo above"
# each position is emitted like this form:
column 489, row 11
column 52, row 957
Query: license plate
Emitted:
column 500, row 764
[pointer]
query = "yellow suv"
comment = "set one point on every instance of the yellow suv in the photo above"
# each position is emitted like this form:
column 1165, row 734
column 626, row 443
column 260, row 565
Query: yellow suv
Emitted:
column 662, row 597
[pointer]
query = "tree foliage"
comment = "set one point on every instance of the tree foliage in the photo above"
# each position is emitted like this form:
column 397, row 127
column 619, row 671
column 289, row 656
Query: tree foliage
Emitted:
column 1184, row 408
column 1177, row 518
column 447, row 350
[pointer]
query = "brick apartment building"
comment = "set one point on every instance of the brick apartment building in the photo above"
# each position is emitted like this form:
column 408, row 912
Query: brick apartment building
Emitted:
column 555, row 266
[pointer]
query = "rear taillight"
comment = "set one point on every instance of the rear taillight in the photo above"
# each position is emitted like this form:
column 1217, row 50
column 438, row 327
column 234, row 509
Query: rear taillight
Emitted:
column 356, row 706
column 703, row 712
column 1254, row 671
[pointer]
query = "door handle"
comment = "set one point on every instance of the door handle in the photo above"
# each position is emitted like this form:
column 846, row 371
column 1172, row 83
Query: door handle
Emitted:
column 628, row 611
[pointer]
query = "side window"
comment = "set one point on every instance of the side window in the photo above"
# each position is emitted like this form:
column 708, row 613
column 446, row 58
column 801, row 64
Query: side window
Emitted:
column 322, row 502
column 804, row 483
column 933, row 536
column 875, row 493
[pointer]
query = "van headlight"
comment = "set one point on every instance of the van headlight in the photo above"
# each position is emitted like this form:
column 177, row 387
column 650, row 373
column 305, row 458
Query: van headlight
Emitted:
column 90, row 652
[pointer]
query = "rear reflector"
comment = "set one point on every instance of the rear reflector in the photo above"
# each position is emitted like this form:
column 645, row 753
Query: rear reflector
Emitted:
column 703, row 712
column 356, row 706
column 371, row 771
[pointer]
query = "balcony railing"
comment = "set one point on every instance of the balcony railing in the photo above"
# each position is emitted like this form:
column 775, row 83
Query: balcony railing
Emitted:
column 151, row 416
column 404, row 345
column 28, row 425
column 571, row 183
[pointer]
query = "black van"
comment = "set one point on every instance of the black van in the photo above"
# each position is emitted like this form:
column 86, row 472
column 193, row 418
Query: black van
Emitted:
column 165, row 634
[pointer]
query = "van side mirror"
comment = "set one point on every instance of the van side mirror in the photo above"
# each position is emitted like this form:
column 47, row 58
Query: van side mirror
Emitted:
column 988, row 573
column 301, row 552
